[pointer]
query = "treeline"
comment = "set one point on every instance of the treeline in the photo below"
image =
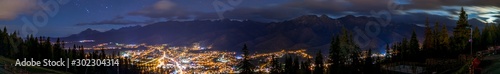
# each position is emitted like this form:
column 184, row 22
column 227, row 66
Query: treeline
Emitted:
column 438, row 43
column 292, row 66
column 39, row 48
column 344, row 58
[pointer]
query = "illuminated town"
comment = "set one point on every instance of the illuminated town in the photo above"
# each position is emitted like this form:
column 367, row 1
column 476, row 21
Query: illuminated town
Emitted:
column 196, row 59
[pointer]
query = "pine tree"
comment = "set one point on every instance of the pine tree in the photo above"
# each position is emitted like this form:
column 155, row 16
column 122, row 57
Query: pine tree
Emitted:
column 476, row 38
column 306, row 67
column 428, row 36
column 343, row 48
column 387, row 51
column 2, row 44
column 356, row 64
column 497, row 31
column 295, row 65
column 245, row 65
column 444, row 37
column 461, row 32
column 57, row 50
column 37, row 48
column 318, row 64
column 395, row 49
column 497, row 42
column 489, row 35
column 404, row 48
column 275, row 65
column 414, row 46
column 436, row 35
column 5, row 29
column 288, row 65
column 334, row 55
column 48, row 48
column 103, row 54
column 368, row 62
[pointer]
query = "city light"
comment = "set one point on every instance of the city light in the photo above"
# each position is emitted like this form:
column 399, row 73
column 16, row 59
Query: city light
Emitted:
column 193, row 60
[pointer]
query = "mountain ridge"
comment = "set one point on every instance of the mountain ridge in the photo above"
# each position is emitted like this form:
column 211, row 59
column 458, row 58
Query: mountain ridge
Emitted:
column 304, row 32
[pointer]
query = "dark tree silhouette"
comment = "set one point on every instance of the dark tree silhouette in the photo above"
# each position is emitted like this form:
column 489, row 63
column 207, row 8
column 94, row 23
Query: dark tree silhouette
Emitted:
column 368, row 62
column 38, row 48
column 334, row 56
column 275, row 65
column 461, row 32
column 288, row 65
column 245, row 65
column 306, row 67
column 429, row 36
column 295, row 65
column 318, row 64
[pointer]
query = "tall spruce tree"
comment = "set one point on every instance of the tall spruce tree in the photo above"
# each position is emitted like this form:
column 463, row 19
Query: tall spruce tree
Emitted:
column 295, row 65
column 245, row 65
column 414, row 46
column 343, row 48
column 461, row 33
column 404, row 47
column 444, row 37
column 288, row 65
column 476, row 38
column 318, row 64
column 436, row 35
column 427, row 45
column 306, row 67
column 334, row 56
column 387, row 51
column 368, row 62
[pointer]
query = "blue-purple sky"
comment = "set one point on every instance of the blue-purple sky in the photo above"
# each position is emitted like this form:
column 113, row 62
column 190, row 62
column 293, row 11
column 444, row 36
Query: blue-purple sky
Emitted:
column 77, row 15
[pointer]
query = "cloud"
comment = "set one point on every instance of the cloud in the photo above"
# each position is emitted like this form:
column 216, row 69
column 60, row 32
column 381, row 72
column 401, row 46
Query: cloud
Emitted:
column 436, row 4
column 483, row 9
column 10, row 9
column 119, row 20
column 420, row 25
column 163, row 5
column 498, row 20
column 174, row 13
column 482, row 13
column 163, row 9
column 273, row 13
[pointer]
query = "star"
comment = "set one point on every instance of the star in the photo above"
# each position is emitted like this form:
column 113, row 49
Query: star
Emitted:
column 87, row 10
column 76, row 4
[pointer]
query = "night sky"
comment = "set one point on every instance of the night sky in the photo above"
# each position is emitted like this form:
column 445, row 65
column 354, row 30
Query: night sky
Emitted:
column 102, row 15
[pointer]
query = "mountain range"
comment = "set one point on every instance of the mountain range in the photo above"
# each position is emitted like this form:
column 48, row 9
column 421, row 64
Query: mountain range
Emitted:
column 313, row 32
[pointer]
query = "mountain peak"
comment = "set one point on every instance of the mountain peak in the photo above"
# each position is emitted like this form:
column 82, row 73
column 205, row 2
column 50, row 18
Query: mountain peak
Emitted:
column 312, row 19
column 306, row 17
column 323, row 16
column 349, row 16
column 89, row 31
